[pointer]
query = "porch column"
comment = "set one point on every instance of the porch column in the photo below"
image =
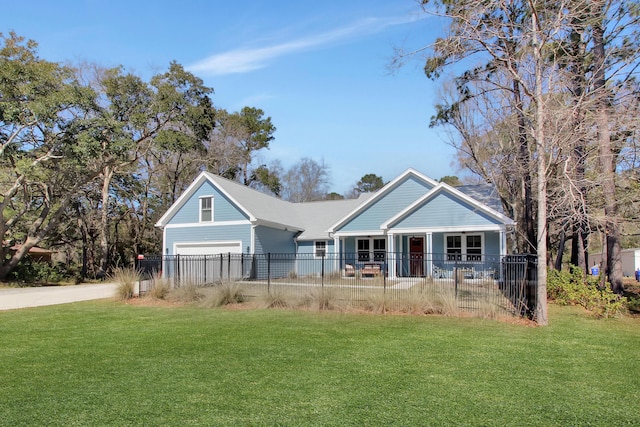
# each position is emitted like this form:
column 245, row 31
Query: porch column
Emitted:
column 337, row 250
column 429, row 254
column 503, row 242
column 391, row 257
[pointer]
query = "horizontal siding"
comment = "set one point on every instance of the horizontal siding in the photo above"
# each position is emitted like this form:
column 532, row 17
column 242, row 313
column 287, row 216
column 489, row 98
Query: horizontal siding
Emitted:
column 405, row 193
column 223, row 208
column 444, row 210
column 308, row 247
column 207, row 234
column 271, row 240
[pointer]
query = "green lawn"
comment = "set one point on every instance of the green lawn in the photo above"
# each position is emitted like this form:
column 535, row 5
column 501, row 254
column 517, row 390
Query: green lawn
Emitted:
column 107, row 363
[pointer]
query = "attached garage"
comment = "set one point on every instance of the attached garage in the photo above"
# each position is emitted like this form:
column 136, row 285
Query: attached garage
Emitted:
column 208, row 261
column 208, row 248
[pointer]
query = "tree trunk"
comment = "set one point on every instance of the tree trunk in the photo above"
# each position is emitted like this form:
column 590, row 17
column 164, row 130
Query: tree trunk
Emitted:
column 606, row 158
column 561, row 243
column 107, row 176
column 524, row 160
column 581, row 223
column 541, row 311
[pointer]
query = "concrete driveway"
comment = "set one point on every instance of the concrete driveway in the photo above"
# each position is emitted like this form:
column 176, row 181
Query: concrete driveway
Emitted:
column 12, row 298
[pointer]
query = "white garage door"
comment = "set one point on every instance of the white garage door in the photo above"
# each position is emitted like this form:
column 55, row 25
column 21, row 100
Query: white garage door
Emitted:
column 208, row 248
column 208, row 262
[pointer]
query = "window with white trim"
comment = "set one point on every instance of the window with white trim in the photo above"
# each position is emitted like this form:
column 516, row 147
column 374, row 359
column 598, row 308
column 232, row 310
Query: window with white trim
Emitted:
column 464, row 247
column 363, row 249
column 320, row 248
column 372, row 249
column 206, row 209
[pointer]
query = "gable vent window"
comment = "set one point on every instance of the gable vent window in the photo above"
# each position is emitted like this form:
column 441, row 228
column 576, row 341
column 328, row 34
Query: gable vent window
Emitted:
column 206, row 209
column 321, row 249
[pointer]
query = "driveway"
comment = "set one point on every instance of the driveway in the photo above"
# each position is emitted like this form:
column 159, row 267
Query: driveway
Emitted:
column 11, row 298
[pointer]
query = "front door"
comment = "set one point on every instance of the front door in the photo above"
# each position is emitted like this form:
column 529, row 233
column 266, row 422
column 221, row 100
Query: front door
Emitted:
column 416, row 256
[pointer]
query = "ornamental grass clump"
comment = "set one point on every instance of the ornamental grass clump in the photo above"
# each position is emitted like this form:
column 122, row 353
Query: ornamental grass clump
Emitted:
column 378, row 302
column 160, row 287
column 445, row 303
column 187, row 292
column 416, row 303
column 225, row 294
column 277, row 298
column 321, row 299
column 126, row 278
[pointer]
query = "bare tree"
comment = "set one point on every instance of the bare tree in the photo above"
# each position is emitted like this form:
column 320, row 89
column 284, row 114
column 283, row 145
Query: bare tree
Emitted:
column 306, row 181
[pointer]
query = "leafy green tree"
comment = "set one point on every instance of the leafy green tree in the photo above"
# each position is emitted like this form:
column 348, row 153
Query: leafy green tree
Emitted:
column 47, row 145
column 240, row 135
column 266, row 180
column 369, row 183
column 334, row 196
column 452, row 180
column 173, row 111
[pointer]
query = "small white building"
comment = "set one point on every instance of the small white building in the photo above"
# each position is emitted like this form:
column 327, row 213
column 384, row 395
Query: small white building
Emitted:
column 630, row 261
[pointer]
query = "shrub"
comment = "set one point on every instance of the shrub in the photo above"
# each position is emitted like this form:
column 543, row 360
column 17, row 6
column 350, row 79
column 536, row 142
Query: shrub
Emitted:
column 633, row 305
column 126, row 279
column 30, row 271
column 576, row 288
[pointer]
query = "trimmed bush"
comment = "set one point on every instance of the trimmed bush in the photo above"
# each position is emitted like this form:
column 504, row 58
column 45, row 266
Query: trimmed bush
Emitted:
column 576, row 288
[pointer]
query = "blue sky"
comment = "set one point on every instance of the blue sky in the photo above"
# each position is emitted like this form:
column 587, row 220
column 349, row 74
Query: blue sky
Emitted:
column 318, row 69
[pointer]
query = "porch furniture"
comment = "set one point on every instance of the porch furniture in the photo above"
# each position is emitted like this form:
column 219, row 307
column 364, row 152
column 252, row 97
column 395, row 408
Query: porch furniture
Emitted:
column 349, row 270
column 370, row 270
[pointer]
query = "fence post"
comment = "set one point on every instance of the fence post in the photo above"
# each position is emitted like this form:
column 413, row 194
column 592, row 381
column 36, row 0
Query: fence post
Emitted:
column 383, row 271
column 269, row 272
column 322, row 272
column 455, row 277
column 229, row 267
column 177, row 268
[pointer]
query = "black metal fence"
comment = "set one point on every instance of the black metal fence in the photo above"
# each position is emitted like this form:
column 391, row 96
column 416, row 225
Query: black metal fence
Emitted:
column 504, row 283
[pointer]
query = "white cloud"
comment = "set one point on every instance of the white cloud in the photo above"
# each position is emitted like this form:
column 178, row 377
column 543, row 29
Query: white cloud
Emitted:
column 243, row 60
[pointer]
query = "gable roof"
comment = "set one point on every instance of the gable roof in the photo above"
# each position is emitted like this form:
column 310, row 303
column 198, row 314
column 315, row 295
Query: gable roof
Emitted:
column 381, row 193
column 316, row 220
column 319, row 216
column 460, row 195
column 257, row 206
column 483, row 193
column 310, row 218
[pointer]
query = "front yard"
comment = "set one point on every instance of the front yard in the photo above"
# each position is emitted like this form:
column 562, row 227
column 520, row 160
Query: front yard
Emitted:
column 110, row 363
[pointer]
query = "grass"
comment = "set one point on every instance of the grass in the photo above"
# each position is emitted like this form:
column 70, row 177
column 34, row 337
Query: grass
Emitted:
column 110, row 363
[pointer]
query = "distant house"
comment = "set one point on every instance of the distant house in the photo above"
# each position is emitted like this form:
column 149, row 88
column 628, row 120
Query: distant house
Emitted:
column 630, row 260
column 36, row 253
column 411, row 216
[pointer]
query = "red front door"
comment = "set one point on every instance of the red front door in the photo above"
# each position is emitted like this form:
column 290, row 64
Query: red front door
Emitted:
column 416, row 256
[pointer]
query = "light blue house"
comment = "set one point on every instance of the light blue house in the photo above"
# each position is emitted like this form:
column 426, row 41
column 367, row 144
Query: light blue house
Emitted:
column 413, row 226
